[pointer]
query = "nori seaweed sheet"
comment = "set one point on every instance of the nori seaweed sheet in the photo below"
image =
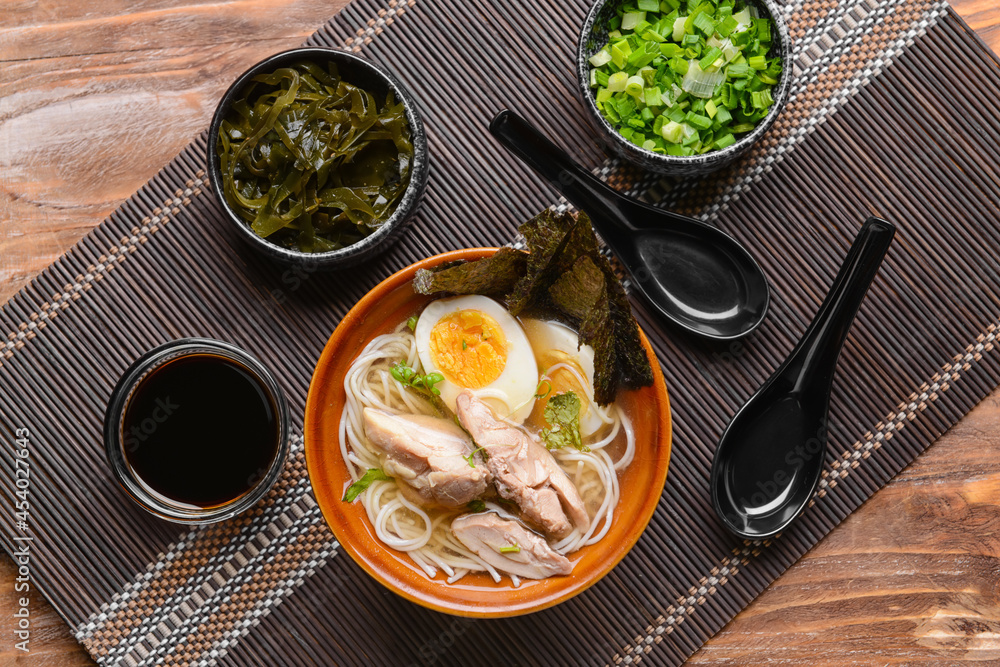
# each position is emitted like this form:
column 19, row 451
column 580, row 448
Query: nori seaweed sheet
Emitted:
column 563, row 276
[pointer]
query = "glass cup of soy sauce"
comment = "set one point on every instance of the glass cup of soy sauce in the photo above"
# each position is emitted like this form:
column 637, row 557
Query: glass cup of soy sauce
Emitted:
column 196, row 431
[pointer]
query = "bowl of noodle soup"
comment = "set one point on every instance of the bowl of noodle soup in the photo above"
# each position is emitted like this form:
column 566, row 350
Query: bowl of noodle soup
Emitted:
column 409, row 547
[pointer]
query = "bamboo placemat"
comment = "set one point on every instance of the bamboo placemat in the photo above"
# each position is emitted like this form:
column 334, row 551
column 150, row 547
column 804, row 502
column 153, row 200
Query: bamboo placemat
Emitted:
column 872, row 128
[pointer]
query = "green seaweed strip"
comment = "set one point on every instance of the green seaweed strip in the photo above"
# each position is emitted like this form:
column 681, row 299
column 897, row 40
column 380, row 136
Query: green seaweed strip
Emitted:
column 312, row 162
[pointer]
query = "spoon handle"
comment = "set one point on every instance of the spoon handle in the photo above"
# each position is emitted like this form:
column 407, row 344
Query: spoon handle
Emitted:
column 817, row 352
column 579, row 186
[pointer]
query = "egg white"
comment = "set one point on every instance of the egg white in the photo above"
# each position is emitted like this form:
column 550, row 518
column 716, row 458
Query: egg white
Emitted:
column 555, row 336
column 512, row 394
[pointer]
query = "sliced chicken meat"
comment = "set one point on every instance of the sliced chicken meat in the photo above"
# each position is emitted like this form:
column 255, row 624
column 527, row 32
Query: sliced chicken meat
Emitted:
column 525, row 554
column 524, row 471
column 427, row 455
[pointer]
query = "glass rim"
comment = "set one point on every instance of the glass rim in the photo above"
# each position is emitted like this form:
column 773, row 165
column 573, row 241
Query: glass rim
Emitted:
column 114, row 444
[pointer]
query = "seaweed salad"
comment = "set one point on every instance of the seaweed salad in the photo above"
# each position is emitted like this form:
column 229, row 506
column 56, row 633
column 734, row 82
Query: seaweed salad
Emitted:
column 312, row 162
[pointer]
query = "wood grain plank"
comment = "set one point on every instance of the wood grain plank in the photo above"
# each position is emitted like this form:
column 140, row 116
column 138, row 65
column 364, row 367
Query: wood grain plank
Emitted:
column 80, row 134
column 94, row 100
column 51, row 644
column 120, row 27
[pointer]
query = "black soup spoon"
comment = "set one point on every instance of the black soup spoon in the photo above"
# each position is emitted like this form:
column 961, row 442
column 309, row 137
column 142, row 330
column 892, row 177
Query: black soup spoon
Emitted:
column 769, row 460
column 695, row 275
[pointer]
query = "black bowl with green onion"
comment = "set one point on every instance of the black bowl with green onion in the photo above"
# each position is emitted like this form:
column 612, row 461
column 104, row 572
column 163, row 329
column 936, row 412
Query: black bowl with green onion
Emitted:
column 318, row 156
column 684, row 88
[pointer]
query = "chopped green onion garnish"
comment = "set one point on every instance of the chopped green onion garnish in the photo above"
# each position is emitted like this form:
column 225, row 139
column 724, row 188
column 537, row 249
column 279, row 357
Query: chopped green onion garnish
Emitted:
column 705, row 24
column 602, row 57
column 763, row 29
column 631, row 19
column 725, row 141
column 673, row 132
column 679, row 28
column 726, row 26
column 634, row 86
column 761, row 99
column 699, row 121
column 685, row 77
column 476, row 506
column 617, row 82
column 737, row 70
column 358, row 487
column 743, row 18
column 470, row 459
column 709, row 57
column 653, row 97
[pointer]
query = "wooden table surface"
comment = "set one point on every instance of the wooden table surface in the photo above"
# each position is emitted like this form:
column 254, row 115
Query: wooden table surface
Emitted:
column 96, row 96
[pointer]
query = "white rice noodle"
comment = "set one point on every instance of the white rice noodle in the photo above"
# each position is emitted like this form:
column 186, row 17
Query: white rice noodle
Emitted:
column 425, row 535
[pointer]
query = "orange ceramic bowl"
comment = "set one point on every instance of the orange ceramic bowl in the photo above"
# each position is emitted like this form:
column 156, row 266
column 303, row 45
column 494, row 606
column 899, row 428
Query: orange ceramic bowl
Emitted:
column 380, row 311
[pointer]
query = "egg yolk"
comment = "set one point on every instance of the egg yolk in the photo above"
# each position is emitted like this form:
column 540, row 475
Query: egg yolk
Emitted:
column 556, row 382
column 469, row 348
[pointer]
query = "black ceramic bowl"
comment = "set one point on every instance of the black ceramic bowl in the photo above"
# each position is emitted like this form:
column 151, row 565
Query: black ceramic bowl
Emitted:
column 594, row 35
column 370, row 76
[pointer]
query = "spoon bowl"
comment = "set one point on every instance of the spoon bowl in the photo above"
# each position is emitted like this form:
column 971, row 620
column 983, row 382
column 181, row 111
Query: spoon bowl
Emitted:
column 694, row 274
column 771, row 455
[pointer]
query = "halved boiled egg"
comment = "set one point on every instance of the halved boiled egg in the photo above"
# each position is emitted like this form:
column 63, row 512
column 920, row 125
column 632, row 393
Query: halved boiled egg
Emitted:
column 564, row 366
column 477, row 345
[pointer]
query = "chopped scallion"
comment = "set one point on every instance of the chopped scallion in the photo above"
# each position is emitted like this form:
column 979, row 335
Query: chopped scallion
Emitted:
column 761, row 99
column 763, row 29
column 653, row 97
column 617, row 82
column 631, row 19
column 705, row 24
column 679, row 31
column 709, row 57
column 726, row 26
column 685, row 77
column 602, row 57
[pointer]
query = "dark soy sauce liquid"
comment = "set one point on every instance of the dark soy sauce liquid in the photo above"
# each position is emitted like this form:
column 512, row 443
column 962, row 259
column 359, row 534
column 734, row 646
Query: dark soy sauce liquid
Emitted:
column 200, row 431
